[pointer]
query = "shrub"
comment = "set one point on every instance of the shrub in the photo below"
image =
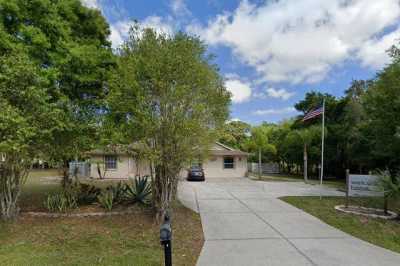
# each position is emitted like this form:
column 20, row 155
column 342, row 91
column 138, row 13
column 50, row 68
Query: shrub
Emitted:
column 390, row 186
column 60, row 202
column 118, row 192
column 87, row 194
column 139, row 191
column 106, row 199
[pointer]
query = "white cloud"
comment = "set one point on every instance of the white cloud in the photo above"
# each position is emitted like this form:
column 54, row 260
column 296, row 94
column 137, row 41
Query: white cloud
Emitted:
column 279, row 93
column 120, row 29
column 91, row 4
column 179, row 7
column 373, row 53
column 282, row 111
column 241, row 91
column 274, row 93
column 159, row 24
column 299, row 41
column 233, row 120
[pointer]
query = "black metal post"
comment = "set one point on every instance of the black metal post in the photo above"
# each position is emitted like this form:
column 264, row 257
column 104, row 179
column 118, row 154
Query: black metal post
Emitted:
column 165, row 239
column 168, row 253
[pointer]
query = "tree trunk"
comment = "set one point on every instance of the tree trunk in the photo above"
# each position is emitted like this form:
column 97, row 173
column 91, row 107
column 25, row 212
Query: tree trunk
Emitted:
column 259, row 164
column 13, row 174
column 305, row 157
column 165, row 183
column 65, row 179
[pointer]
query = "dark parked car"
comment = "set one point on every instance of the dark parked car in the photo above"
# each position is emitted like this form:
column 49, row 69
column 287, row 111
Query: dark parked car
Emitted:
column 195, row 173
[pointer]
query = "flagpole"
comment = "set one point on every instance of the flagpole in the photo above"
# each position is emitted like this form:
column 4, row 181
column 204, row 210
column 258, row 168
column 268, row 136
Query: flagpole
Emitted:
column 322, row 142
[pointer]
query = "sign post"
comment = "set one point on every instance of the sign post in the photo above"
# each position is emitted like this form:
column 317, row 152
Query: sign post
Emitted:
column 347, row 187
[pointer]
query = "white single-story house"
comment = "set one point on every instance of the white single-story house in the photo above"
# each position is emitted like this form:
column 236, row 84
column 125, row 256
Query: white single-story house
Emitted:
column 223, row 162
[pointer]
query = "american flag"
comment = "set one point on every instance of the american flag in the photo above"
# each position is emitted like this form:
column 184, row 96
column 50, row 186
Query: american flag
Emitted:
column 313, row 113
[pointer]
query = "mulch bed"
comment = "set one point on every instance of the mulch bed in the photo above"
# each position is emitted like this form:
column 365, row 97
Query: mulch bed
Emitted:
column 369, row 212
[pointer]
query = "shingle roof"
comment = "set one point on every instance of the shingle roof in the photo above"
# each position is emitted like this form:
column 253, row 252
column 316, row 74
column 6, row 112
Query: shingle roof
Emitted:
column 225, row 150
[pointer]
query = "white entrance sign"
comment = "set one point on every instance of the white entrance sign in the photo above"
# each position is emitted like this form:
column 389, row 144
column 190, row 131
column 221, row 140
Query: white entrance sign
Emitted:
column 364, row 185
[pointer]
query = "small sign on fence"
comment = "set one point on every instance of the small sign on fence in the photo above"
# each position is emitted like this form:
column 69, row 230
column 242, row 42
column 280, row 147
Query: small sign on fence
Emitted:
column 363, row 186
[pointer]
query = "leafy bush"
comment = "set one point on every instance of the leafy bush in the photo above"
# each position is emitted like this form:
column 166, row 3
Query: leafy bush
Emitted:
column 390, row 186
column 60, row 202
column 118, row 192
column 106, row 199
column 87, row 194
column 139, row 191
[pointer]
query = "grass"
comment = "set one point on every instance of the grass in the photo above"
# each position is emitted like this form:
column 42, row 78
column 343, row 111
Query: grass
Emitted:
column 115, row 240
column 376, row 231
column 336, row 183
column 41, row 173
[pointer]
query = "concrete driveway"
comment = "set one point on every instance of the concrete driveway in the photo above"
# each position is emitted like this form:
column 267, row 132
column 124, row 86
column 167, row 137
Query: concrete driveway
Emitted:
column 245, row 224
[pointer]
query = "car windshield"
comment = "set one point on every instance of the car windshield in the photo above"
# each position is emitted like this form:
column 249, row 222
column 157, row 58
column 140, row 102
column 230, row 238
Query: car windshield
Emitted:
column 195, row 168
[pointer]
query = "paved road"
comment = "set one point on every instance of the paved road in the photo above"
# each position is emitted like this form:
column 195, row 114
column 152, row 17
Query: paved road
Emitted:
column 245, row 224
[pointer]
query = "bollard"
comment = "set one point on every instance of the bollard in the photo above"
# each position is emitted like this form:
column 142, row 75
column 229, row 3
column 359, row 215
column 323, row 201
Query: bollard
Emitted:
column 165, row 239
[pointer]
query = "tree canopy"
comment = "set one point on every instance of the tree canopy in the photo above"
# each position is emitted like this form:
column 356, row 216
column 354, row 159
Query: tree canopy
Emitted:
column 362, row 129
column 167, row 95
column 55, row 61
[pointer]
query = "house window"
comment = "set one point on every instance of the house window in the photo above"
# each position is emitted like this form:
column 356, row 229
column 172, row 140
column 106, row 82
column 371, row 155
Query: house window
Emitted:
column 229, row 163
column 110, row 162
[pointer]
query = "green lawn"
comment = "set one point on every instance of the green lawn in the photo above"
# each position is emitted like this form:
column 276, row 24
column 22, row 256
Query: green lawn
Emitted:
column 116, row 240
column 336, row 183
column 376, row 231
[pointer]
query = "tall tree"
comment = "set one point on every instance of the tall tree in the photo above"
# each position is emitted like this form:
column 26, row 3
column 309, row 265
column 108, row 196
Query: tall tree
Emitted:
column 167, row 95
column 259, row 143
column 65, row 46
column 352, row 139
column 235, row 134
column 307, row 136
column 382, row 108
column 28, row 120
column 70, row 44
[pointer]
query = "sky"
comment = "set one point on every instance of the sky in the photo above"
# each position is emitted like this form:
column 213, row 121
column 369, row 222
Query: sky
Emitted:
column 272, row 52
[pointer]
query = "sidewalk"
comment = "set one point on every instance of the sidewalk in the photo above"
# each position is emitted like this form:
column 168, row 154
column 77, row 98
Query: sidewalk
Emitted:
column 245, row 224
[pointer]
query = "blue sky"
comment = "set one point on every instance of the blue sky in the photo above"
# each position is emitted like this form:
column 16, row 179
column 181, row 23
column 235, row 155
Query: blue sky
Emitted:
column 272, row 52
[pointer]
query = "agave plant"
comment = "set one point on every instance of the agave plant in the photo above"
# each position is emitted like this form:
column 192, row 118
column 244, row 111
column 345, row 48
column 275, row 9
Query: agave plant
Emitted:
column 139, row 191
column 106, row 200
column 118, row 192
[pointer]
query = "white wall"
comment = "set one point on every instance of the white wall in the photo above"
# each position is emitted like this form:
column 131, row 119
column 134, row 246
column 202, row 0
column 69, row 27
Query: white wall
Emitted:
column 126, row 167
column 214, row 167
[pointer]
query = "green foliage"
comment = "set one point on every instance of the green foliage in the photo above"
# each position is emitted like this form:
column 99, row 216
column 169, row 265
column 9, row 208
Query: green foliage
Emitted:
column 390, row 185
column 60, row 202
column 54, row 63
column 28, row 118
column 106, row 199
column 87, row 194
column 235, row 134
column 139, row 191
column 382, row 107
column 118, row 191
column 167, row 95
